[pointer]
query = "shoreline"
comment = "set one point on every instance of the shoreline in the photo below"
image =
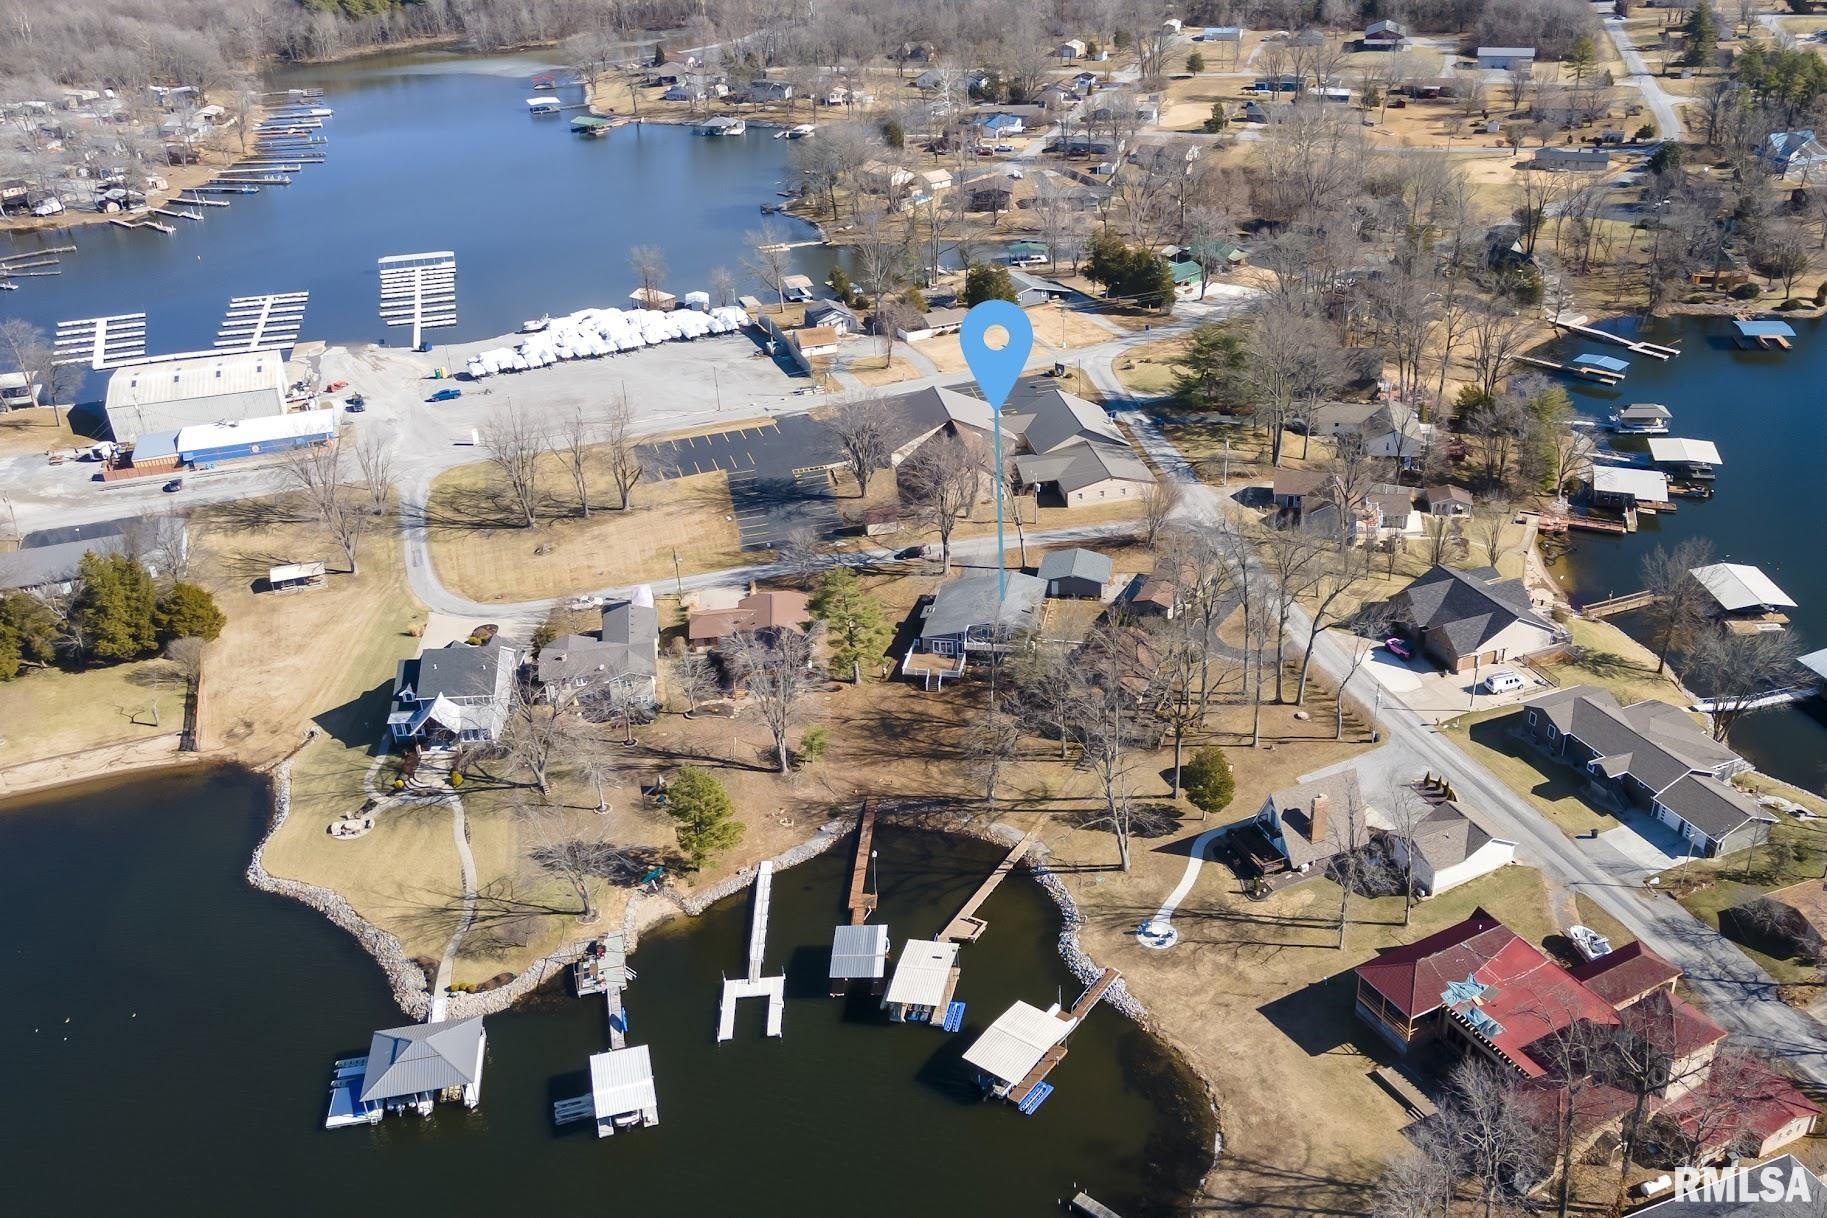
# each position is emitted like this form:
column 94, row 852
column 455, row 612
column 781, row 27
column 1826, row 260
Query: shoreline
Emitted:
column 412, row 991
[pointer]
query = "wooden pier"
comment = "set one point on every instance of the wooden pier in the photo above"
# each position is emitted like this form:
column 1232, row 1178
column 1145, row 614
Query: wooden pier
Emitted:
column 1627, row 603
column 1084, row 1203
column 754, row 985
column 199, row 201
column 1577, row 325
column 152, row 224
column 1603, row 376
column 862, row 902
column 965, row 926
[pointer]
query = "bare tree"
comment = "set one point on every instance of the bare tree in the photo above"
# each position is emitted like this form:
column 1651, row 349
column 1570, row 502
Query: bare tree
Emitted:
column 624, row 703
column 1495, row 1134
column 1294, row 557
column 316, row 472
column 1490, row 520
column 1111, row 667
column 694, row 678
column 1442, row 539
column 722, row 286
column 992, row 740
column 574, row 444
column 186, row 655
column 1498, row 336
column 539, row 736
column 577, row 854
column 374, row 458
column 648, row 262
column 769, row 259
column 866, row 434
column 940, row 483
column 1176, row 698
column 1679, row 602
column 621, row 451
column 1047, row 687
column 1159, row 502
column 1735, row 670
column 1368, row 627
column 777, row 673
column 1336, row 577
column 514, row 447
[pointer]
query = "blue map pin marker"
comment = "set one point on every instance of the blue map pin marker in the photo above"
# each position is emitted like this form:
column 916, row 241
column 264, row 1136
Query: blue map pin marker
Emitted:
column 997, row 367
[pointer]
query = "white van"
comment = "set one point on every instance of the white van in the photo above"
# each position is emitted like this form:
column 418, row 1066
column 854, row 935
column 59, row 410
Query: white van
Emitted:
column 1503, row 683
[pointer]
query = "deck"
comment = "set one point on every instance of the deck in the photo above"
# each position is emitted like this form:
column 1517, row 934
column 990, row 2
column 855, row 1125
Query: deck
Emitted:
column 1577, row 325
column 965, row 926
column 1618, row 604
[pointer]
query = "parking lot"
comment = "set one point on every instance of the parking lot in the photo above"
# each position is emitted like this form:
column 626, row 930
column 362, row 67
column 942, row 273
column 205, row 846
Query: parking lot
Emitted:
column 778, row 482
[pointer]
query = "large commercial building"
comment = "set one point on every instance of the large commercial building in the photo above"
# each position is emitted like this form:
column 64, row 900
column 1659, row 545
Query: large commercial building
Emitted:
column 172, row 394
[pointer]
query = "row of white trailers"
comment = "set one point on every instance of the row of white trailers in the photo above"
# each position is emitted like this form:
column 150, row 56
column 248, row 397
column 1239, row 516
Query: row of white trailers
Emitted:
column 590, row 333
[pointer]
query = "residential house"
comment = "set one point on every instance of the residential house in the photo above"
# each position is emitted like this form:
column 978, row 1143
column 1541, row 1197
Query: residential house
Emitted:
column 815, row 340
column 1449, row 500
column 1626, row 487
column 1000, row 124
column 1072, row 48
column 1744, row 598
column 1075, row 573
column 54, row 568
column 1084, row 83
column 762, row 612
column 1449, row 850
column 1384, row 36
column 1033, row 290
column 1293, row 487
column 1391, row 431
column 451, row 695
column 1585, row 160
column 1793, row 154
column 1072, row 449
column 770, row 91
column 1506, row 59
column 882, row 178
column 1301, row 829
column 933, row 323
column 932, row 181
column 1627, row 974
column 833, row 315
column 624, row 655
column 988, row 196
column 1464, row 619
column 972, row 615
column 914, row 418
column 1651, row 756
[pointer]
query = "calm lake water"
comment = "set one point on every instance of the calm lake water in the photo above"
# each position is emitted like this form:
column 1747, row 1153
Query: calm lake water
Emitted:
column 169, row 1032
column 1765, row 412
column 435, row 152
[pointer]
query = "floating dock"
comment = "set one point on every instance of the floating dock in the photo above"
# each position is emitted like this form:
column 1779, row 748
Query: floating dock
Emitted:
column 1576, row 324
column 1591, row 372
column 965, row 926
column 754, row 985
column 1084, row 1203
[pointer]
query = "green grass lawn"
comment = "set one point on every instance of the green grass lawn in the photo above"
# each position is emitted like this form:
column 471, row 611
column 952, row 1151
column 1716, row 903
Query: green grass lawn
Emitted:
column 1610, row 659
column 1555, row 790
column 1796, row 852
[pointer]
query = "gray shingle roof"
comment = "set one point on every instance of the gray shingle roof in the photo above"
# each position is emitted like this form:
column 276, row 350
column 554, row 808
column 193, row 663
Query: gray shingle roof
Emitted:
column 458, row 670
column 629, row 647
column 1053, row 418
column 423, row 1057
column 53, row 564
column 1467, row 608
column 1344, row 800
column 1076, row 564
column 1653, row 742
column 1711, row 806
column 970, row 600
column 1446, row 836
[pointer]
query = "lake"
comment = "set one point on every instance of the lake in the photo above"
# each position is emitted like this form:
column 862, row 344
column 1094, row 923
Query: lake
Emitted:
column 1764, row 411
column 435, row 152
column 169, row 1034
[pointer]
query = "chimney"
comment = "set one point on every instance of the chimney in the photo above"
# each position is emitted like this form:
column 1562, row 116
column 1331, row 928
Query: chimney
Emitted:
column 1316, row 820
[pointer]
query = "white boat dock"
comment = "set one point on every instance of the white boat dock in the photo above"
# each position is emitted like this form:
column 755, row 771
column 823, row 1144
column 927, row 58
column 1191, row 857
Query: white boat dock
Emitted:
column 754, row 985
column 1575, row 323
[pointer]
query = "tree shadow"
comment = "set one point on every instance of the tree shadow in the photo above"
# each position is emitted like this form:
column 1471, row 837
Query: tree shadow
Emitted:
column 1318, row 1017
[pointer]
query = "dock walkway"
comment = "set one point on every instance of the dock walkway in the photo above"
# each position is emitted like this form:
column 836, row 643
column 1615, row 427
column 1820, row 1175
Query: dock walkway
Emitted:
column 1776, row 697
column 1619, row 604
column 1577, row 325
column 862, row 903
column 965, row 926
column 1603, row 376
column 754, row 985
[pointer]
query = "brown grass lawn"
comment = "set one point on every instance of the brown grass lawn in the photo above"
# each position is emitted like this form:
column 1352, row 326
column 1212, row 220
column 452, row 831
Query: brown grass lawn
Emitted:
column 1789, row 869
column 1610, row 659
column 50, row 712
column 1049, row 322
column 31, row 431
column 482, row 553
column 871, row 371
column 1554, row 789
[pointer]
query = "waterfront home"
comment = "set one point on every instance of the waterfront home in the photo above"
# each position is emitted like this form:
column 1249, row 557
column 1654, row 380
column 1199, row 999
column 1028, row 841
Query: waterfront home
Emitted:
column 925, row 976
column 622, row 1092
column 1466, row 619
column 1641, row 419
column 1744, row 598
column 455, row 694
column 1033, row 290
column 1300, row 829
column 1449, row 850
column 1792, row 154
column 168, row 394
column 970, row 616
column 1652, row 756
column 409, row 1069
column 1384, row 36
column 1387, row 430
column 1627, row 487
column 1448, row 500
column 933, row 323
column 767, row 612
column 770, row 91
column 858, row 953
column 1763, row 334
column 833, row 315
column 1075, row 573
column 1506, row 59
column 1691, row 458
column 623, row 657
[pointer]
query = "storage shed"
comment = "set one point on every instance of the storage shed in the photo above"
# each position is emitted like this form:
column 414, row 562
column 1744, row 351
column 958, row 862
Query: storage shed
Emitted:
column 1075, row 572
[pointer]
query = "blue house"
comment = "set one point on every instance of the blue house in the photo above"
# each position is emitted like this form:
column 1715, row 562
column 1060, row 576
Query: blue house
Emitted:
column 1001, row 124
column 1793, row 153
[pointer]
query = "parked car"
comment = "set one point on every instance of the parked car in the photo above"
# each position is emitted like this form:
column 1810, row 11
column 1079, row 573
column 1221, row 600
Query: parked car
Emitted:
column 445, row 395
column 355, row 405
column 336, row 386
column 1503, row 683
column 176, row 484
column 1399, row 648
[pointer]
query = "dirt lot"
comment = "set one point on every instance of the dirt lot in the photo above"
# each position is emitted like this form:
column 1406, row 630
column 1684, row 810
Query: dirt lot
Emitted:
column 1049, row 323
column 25, row 432
column 482, row 553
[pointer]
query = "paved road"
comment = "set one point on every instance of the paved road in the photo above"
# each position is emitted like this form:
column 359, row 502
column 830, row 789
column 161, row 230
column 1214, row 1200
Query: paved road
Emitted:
column 1734, row 990
column 1660, row 103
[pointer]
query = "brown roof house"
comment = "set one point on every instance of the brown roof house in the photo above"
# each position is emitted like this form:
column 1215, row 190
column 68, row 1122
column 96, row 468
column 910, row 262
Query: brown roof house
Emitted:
column 1463, row 619
column 1651, row 756
column 760, row 612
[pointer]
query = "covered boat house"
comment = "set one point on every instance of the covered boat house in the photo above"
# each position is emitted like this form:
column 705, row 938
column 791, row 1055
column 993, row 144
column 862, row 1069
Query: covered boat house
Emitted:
column 925, row 975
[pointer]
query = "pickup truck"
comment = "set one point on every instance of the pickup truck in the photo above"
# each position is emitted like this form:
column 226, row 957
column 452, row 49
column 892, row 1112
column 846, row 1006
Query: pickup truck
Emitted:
column 445, row 395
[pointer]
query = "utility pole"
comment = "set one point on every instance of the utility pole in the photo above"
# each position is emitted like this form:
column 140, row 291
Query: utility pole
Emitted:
column 678, row 583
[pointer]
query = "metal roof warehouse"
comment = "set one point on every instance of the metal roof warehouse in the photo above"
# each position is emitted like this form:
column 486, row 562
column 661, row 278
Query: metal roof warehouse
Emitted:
column 249, row 437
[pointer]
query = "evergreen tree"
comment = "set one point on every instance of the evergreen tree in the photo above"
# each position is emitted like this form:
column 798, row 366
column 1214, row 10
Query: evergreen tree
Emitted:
column 28, row 633
column 1195, row 63
column 115, row 607
column 1106, row 259
column 1209, row 372
column 1151, row 281
column 1208, row 782
column 188, row 611
column 987, row 281
column 1702, row 30
column 703, row 816
column 853, row 621
column 1580, row 57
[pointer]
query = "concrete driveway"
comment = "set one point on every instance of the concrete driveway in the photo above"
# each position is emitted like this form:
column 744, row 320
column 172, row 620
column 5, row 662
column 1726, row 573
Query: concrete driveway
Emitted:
column 1438, row 696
